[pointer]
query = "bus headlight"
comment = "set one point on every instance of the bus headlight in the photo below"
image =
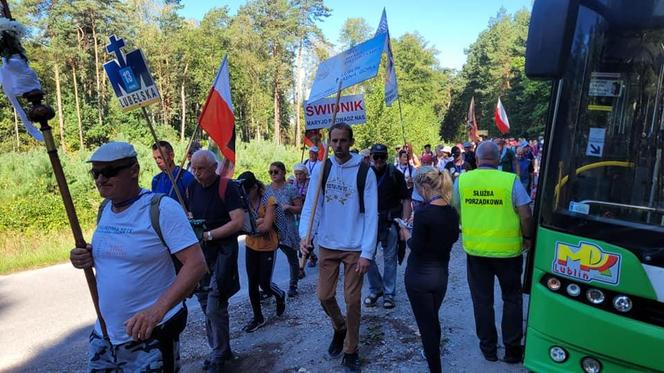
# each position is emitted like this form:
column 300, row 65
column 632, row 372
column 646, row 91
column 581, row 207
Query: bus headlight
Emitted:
column 557, row 354
column 622, row 303
column 573, row 290
column 591, row 365
column 553, row 284
column 595, row 296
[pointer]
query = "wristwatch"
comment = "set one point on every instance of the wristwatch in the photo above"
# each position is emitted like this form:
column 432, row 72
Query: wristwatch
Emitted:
column 208, row 235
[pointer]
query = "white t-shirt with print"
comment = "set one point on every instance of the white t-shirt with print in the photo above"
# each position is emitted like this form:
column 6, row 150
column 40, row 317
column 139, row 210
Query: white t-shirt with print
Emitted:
column 133, row 268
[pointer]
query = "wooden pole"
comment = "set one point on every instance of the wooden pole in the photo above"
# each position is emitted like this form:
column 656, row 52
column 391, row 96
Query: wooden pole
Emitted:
column 403, row 131
column 184, row 158
column 42, row 114
column 163, row 156
column 319, row 182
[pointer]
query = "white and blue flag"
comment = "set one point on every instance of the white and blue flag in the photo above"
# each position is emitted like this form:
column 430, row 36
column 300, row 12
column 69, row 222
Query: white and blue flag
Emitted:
column 391, row 90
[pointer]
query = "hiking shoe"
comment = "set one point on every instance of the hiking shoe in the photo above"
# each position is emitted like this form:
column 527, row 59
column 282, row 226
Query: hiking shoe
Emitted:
column 388, row 303
column 337, row 343
column 372, row 299
column 313, row 260
column 351, row 363
column 292, row 292
column 281, row 303
column 254, row 325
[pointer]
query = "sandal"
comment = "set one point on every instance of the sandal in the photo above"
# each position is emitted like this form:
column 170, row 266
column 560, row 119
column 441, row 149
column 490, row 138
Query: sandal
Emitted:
column 372, row 299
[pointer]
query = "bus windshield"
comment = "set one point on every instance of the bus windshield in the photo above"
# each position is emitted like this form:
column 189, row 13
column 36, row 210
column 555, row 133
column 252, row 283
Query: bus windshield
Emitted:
column 604, row 172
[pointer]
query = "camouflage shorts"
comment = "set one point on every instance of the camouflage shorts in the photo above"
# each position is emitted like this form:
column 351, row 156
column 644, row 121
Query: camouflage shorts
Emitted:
column 153, row 355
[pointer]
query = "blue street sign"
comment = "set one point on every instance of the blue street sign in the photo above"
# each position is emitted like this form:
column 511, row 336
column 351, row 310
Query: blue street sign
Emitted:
column 130, row 77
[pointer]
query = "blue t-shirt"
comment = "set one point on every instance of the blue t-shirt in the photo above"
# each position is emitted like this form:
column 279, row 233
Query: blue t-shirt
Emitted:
column 162, row 184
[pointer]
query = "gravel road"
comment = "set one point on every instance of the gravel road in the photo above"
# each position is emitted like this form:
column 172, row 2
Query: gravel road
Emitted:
column 46, row 316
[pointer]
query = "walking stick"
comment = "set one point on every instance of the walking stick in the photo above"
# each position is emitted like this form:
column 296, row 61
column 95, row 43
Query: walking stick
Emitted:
column 319, row 182
column 41, row 114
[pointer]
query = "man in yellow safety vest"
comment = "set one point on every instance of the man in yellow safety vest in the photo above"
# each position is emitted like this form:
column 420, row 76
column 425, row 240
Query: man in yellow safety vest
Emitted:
column 497, row 225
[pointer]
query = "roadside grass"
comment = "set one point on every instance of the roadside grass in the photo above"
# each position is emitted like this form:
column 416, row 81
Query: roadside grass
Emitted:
column 26, row 250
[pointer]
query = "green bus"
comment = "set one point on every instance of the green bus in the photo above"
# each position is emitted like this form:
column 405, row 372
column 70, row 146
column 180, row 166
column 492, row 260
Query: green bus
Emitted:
column 596, row 274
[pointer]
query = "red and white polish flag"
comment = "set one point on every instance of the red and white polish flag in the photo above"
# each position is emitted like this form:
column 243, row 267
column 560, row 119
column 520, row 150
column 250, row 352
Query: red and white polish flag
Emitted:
column 502, row 123
column 218, row 120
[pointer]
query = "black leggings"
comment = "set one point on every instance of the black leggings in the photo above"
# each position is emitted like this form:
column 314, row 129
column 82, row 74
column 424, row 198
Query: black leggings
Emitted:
column 259, row 273
column 426, row 284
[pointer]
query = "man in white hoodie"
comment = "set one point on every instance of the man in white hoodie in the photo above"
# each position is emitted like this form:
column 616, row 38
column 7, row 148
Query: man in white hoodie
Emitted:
column 346, row 229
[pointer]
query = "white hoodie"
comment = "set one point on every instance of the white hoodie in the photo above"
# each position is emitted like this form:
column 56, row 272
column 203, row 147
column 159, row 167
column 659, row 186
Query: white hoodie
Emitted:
column 338, row 224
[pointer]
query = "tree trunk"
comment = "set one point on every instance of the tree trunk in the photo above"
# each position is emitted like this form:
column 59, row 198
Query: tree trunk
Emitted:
column 277, row 124
column 18, row 141
column 183, row 120
column 99, row 107
column 58, row 96
column 298, row 94
column 78, row 105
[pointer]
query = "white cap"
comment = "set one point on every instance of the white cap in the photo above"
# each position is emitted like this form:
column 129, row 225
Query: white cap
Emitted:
column 447, row 149
column 113, row 151
column 300, row 167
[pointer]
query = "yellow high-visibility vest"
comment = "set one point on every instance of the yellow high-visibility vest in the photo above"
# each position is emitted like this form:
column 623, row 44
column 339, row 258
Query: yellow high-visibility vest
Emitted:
column 489, row 224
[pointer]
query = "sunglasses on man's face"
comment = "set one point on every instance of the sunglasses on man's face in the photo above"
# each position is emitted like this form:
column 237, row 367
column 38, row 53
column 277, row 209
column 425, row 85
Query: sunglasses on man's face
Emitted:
column 109, row 172
column 377, row 157
column 273, row 172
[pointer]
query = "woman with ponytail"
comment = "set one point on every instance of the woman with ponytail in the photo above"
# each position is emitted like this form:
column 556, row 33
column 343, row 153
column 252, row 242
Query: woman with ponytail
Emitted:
column 435, row 230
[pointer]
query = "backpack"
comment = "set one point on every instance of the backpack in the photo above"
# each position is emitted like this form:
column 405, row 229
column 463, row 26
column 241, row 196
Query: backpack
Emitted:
column 361, row 180
column 249, row 220
column 154, row 221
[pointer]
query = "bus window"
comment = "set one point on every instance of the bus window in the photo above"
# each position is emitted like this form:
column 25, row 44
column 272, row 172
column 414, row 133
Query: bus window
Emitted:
column 605, row 172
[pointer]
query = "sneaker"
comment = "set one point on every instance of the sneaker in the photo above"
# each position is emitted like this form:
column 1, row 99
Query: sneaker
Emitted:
column 337, row 343
column 292, row 292
column 281, row 303
column 388, row 303
column 254, row 325
column 372, row 299
column 351, row 363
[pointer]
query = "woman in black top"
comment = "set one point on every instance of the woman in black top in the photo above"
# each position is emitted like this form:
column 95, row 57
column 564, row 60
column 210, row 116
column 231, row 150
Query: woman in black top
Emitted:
column 435, row 230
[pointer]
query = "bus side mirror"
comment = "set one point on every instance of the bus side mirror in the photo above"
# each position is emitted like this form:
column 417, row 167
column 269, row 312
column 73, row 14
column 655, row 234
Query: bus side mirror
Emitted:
column 552, row 24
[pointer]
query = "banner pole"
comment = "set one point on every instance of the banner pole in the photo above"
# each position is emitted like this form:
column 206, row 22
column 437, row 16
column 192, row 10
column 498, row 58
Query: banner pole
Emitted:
column 403, row 131
column 319, row 182
column 184, row 158
column 41, row 114
column 163, row 156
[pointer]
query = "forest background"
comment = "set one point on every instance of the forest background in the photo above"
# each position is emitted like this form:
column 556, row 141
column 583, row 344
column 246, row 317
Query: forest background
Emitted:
column 273, row 47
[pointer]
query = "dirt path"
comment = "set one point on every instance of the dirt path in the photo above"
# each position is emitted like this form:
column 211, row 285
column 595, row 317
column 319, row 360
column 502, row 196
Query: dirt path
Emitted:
column 45, row 318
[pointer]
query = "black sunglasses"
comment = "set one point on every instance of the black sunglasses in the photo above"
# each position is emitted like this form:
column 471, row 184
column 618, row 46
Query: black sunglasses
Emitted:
column 109, row 172
column 379, row 156
column 273, row 172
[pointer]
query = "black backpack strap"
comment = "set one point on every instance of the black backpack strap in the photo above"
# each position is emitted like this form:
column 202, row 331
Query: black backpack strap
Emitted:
column 102, row 205
column 326, row 173
column 361, row 183
column 154, row 215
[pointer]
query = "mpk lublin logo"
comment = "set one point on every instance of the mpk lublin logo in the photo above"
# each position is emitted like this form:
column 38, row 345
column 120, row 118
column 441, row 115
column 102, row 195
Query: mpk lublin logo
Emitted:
column 586, row 262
